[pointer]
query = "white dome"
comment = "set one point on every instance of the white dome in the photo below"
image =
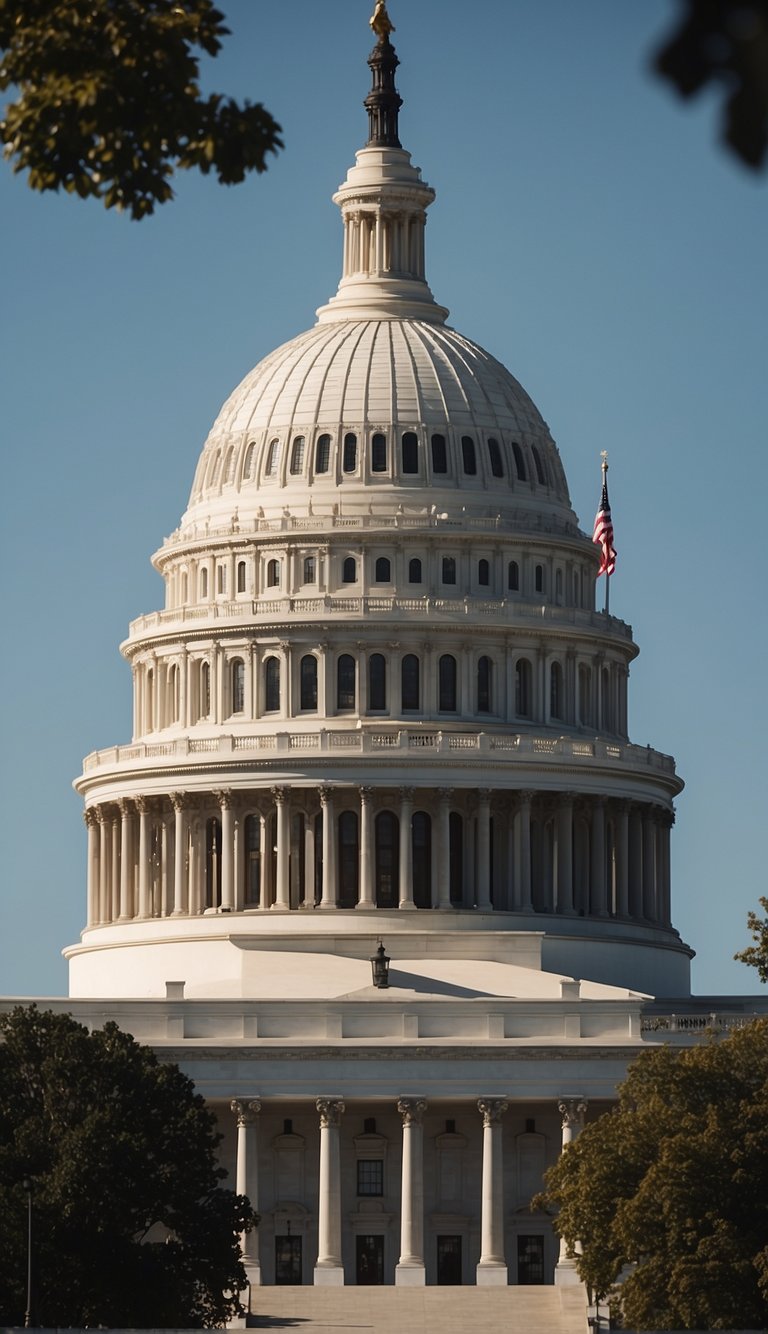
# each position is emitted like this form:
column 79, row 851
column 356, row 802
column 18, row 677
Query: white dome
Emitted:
column 376, row 375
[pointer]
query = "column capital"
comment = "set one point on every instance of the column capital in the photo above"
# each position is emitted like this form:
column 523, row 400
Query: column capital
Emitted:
column 331, row 1110
column 484, row 794
column 406, row 793
column 179, row 800
column 325, row 794
column 572, row 1111
column 246, row 1110
column 567, row 798
column 526, row 797
column 280, row 795
column 224, row 797
column 142, row 805
column 411, row 1110
column 365, row 793
column 93, row 816
column 492, row 1110
column 445, row 794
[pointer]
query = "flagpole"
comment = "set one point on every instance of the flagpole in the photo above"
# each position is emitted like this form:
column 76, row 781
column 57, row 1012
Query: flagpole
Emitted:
column 604, row 466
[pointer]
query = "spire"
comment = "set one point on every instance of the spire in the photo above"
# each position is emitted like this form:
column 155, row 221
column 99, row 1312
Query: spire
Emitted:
column 383, row 101
column 383, row 204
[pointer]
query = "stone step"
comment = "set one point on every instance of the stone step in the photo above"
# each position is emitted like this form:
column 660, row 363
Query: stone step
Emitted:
column 443, row 1310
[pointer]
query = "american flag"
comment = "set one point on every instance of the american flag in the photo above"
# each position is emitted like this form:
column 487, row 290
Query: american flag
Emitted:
column 603, row 533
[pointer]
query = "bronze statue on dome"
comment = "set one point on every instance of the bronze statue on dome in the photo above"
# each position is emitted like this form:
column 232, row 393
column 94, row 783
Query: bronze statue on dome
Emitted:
column 381, row 22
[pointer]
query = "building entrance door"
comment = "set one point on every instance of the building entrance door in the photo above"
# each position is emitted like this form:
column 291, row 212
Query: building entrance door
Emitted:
column 370, row 1260
column 449, row 1261
column 288, row 1261
column 530, row 1259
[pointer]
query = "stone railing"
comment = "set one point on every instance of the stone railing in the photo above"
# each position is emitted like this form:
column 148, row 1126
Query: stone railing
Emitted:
column 269, row 609
column 686, row 1024
column 483, row 746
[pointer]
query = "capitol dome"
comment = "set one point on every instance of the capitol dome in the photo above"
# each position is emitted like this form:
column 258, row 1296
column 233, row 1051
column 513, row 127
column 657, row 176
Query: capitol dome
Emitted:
column 379, row 697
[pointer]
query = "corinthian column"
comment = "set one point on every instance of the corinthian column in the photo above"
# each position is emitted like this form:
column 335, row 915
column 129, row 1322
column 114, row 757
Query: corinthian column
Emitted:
column 224, row 799
column 410, row 1270
column 126, row 868
column 92, row 824
column 178, row 801
column 282, row 885
column 247, row 1181
column 572, row 1111
column 142, row 806
column 405, row 875
column 484, row 849
column 328, row 899
column 365, row 892
column 329, row 1270
column 492, row 1267
column 445, row 795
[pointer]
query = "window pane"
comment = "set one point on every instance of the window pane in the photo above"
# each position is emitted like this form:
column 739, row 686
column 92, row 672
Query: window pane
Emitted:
column 370, row 1176
column 323, row 453
column 383, row 570
column 447, row 683
column 345, row 682
column 271, row 685
column 308, row 673
column 541, row 475
column 513, row 576
column 439, row 454
column 377, row 682
column 410, row 453
column 350, row 453
column 449, row 570
column 379, row 453
column 238, row 686
column 494, row 454
column 483, row 573
column 468, row 455
column 349, row 570
column 414, row 572
column 297, row 454
column 273, row 454
column 520, row 468
column 410, row 681
column 484, row 685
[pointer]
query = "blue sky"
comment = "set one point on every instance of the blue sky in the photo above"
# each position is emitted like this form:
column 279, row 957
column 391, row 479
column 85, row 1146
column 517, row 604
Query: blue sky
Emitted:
column 588, row 230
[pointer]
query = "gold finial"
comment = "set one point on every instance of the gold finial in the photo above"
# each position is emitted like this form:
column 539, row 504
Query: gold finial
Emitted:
column 604, row 457
column 380, row 21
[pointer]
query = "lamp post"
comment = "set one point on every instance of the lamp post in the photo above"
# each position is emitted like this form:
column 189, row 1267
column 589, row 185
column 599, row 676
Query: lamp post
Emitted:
column 380, row 967
column 27, row 1186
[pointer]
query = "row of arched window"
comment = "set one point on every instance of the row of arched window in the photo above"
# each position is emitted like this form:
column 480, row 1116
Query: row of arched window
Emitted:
column 445, row 692
column 382, row 574
column 408, row 456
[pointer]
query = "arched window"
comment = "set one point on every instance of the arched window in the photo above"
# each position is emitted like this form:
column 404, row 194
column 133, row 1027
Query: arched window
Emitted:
column 468, row 456
column 310, row 570
column 483, row 573
column 228, row 471
column 538, row 578
column 556, row 690
column 173, row 693
column 204, row 582
column 249, row 466
column 540, row 473
column 520, row 468
column 377, row 682
column 379, row 453
column 345, row 682
column 439, row 454
column 387, row 842
column 271, row 685
column 241, row 576
column 349, row 570
column 421, row 854
column 383, row 570
column 348, row 859
column 513, row 577
column 252, row 867
column 410, row 455
column 409, row 682
column 456, row 855
column 308, row 682
column 484, row 671
column 212, row 863
column 213, row 468
column 446, row 673
column 238, row 685
column 349, row 455
column 273, row 574
column 523, row 688
column 494, row 456
column 149, row 711
column 205, row 690
column 585, row 694
column 449, row 570
column 297, row 454
column 273, row 458
column 414, row 571
column 323, row 453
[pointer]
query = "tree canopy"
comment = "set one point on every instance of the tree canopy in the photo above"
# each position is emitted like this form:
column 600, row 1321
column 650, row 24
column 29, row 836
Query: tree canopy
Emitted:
column 757, row 955
column 674, row 1183
column 131, row 1227
column 109, row 103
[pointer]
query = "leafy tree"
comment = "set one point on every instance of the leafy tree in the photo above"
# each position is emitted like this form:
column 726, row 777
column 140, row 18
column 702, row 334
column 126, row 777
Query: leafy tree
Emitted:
column 130, row 1225
column 109, row 104
column 725, row 43
column 757, row 955
column 674, row 1182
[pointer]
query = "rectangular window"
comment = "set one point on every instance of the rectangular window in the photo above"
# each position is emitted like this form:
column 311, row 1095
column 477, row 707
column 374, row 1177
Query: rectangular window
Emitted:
column 370, row 1176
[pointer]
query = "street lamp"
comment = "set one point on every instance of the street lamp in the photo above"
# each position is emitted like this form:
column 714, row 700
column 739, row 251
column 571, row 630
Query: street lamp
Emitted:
column 27, row 1186
column 380, row 967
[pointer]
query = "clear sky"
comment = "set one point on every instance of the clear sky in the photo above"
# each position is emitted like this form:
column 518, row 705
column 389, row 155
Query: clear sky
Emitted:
column 588, row 230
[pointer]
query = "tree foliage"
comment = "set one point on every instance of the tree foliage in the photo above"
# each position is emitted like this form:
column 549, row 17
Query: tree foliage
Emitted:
column 674, row 1182
column 130, row 1225
column 109, row 103
column 757, row 955
column 725, row 43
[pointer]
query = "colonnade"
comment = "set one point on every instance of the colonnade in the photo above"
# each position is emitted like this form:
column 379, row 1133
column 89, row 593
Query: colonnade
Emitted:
column 366, row 847
column 491, row 1268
